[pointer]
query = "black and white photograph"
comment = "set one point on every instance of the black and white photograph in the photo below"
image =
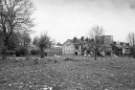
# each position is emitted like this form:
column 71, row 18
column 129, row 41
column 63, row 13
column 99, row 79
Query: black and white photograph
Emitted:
column 67, row 44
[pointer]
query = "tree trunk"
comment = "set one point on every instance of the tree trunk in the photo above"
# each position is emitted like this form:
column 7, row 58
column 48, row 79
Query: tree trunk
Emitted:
column 95, row 55
column 3, row 54
column 42, row 53
column 4, row 49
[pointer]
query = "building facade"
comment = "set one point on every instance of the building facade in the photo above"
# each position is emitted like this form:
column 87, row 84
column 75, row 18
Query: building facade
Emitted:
column 70, row 48
column 54, row 50
column 105, row 44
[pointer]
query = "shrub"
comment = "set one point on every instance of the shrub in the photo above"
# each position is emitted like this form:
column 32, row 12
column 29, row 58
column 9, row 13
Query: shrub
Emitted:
column 132, row 52
column 10, row 52
column 22, row 51
column 35, row 52
column 68, row 59
column 36, row 61
column 55, row 61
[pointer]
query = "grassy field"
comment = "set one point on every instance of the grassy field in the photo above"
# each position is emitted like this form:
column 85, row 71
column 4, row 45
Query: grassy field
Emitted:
column 68, row 73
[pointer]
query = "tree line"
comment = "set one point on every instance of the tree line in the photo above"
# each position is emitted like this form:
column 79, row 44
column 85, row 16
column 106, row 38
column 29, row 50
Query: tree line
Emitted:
column 15, row 28
column 15, row 22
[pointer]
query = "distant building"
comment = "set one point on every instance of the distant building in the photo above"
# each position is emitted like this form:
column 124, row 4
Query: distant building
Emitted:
column 121, row 48
column 78, row 47
column 105, row 39
column 71, row 48
column 54, row 50
column 105, row 44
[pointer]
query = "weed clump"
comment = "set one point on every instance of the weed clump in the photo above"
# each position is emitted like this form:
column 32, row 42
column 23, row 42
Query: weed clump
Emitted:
column 68, row 59
column 36, row 61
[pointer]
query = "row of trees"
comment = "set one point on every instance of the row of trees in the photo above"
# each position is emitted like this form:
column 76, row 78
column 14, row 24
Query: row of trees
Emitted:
column 15, row 20
column 16, row 24
column 15, row 27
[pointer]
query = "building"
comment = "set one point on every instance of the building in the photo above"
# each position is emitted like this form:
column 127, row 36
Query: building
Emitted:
column 54, row 50
column 78, row 47
column 121, row 48
column 105, row 39
column 104, row 43
column 71, row 48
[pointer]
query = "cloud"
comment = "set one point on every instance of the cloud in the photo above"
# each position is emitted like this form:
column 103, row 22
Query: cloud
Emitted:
column 118, row 4
column 67, row 18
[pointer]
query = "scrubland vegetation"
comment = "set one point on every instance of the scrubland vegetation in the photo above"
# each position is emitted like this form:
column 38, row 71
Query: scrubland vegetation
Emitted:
column 68, row 73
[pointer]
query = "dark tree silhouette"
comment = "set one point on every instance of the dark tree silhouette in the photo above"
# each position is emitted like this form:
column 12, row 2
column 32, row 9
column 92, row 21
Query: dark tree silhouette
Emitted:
column 82, row 38
column 94, row 34
column 75, row 39
column 15, row 16
column 43, row 42
column 131, row 38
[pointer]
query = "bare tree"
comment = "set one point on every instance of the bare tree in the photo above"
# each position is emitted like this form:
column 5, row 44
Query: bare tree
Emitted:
column 131, row 38
column 35, row 41
column 14, row 17
column 42, row 42
column 75, row 39
column 94, row 34
column 82, row 38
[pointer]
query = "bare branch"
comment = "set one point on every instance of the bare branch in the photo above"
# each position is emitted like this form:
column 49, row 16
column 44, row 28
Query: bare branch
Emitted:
column 131, row 38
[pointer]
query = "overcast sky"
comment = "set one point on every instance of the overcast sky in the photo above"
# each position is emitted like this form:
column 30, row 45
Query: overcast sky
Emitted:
column 64, row 19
